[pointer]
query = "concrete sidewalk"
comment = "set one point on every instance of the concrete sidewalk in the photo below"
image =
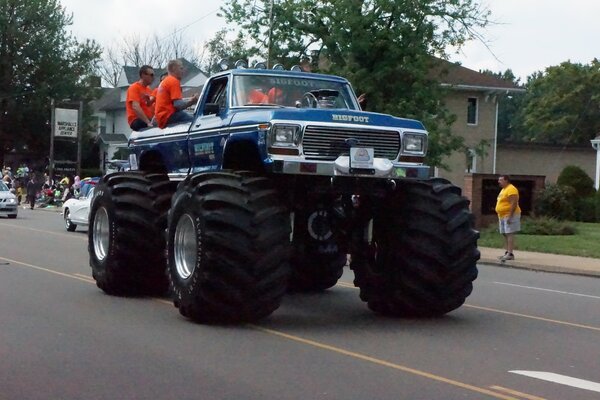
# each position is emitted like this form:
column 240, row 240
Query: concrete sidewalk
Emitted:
column 543, row 262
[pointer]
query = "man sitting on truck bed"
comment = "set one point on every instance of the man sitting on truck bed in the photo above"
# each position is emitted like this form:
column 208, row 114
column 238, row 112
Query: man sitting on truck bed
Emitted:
column 169, row 102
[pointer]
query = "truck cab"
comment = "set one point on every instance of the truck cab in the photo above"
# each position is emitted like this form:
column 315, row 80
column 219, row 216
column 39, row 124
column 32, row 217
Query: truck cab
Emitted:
column 284, row 122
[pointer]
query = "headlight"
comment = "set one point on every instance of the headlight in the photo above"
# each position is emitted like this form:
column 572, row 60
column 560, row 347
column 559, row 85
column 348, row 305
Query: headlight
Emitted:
column 284, row 135
column 11, row 201
column 414, row 143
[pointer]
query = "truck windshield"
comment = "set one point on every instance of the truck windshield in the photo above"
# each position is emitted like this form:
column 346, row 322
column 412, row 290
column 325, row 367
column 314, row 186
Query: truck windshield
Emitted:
column 282, row 91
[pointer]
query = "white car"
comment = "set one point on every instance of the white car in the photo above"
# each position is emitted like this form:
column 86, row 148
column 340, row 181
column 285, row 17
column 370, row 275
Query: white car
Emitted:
column 76, row 211
column 8, row 202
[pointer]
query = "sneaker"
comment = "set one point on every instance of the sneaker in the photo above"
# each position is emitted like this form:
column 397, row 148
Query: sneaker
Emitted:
column 507, row 256
column 502, row 257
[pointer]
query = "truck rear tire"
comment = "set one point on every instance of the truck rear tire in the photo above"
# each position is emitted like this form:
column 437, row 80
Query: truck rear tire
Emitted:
column 126, row 242
column 318, row 261
column 423, row 254
column 228, row 247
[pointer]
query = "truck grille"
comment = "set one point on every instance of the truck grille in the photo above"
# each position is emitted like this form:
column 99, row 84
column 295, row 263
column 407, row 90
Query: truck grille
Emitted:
column 328, row 143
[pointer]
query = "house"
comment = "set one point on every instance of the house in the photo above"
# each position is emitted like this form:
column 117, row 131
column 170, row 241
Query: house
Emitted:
column 112, row 130
column 473, row 98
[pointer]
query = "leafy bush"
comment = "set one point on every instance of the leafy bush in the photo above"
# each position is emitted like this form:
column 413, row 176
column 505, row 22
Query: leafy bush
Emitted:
column 546, row 226
column 585, row 209
column 576, row 178
column 557, row 202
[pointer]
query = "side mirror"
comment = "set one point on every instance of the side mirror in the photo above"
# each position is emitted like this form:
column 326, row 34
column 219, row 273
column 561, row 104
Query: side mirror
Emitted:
column 211, row 108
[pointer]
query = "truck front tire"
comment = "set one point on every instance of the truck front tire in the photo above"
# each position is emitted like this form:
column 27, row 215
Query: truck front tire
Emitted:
column 126, row 244
column 228, row 247
column 423, row 254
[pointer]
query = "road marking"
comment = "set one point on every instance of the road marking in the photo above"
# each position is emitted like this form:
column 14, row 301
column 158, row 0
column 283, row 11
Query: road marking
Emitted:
column 594, row 328
column 516, row 393
column 73, row 236
column 384, row 363
column 86, row 277
column 46, row 270
column 548, row 290
column 313, row 343
column 561, row 379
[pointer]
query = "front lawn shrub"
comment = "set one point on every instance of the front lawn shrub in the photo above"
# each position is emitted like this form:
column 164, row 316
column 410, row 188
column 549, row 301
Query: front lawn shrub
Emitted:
column 556, row 201
column 546, row 226
column 585, row 209
column 576, row 178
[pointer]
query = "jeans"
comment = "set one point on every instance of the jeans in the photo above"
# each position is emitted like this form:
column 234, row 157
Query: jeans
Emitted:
column 179, row 117
column 137, row 125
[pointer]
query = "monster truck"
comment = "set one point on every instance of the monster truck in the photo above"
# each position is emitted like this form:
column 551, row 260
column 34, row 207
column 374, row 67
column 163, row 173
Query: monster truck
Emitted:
column 280, row 176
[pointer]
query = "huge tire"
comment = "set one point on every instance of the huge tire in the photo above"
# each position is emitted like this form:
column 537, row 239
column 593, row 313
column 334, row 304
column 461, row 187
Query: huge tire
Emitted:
column 229, row 247
column 126, row 241
column 423, row 254
column 318, row 260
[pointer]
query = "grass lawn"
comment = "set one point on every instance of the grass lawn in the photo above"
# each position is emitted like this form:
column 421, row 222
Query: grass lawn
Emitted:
column 585, row 243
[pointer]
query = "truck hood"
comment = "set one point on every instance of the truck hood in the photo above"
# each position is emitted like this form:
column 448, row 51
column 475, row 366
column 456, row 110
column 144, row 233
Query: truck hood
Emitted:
column 308, row 115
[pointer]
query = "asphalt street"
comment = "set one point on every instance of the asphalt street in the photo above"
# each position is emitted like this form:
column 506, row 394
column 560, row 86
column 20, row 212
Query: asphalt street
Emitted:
column 521, row 335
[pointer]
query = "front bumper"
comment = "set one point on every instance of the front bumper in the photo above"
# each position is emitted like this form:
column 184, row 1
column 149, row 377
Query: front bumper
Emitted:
column 382, row 168
column 6, row 210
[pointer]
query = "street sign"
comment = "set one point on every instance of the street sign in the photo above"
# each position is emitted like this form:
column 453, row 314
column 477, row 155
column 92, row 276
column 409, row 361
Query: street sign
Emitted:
column 65, row 123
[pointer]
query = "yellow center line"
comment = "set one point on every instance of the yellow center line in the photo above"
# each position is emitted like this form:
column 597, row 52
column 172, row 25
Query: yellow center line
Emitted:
column 87, row 280
column 516, row 393
column 72, row 236
column 312, row 343
column 514, row 314
column 384, row 363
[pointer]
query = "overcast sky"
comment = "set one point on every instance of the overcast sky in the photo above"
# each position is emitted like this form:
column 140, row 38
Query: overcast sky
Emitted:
column 530, row 34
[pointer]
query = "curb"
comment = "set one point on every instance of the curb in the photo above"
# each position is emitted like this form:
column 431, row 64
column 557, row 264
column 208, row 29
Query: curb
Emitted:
column 540, row 268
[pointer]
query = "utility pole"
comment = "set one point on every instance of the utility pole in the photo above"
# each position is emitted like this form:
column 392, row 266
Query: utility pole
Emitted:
column 270, row 31
column 79, row 137
column 52, row 123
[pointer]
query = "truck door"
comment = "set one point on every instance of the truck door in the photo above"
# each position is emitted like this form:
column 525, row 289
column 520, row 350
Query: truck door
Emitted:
column 210, row 128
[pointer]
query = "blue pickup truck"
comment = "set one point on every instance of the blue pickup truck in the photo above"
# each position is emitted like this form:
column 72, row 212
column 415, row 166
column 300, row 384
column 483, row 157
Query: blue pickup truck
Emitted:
column 277, row 181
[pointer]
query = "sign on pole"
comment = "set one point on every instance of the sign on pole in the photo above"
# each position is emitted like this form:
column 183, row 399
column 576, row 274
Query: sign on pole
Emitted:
column 65, row 123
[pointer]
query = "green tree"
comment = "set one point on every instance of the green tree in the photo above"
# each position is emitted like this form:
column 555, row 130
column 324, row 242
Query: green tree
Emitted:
column 39, row 60
column 220, row 47
column 384, row 47
column 509, row 108
column 562, row 104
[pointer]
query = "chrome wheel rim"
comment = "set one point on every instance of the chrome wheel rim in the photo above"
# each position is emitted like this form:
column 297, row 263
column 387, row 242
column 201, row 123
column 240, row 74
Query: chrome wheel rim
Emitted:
column 185, row 247
column 67, row 219
column 101, row 233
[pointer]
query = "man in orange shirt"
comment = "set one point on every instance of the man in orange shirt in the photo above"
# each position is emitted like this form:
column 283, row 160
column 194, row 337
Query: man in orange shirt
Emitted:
column 169, row 101
column 155, row 92
column 139, row 104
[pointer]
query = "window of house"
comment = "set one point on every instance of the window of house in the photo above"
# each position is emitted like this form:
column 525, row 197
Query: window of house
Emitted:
column 471, row 161
column 472, row 111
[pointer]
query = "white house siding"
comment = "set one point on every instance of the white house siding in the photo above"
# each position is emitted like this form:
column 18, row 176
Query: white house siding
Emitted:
column 485, row 129
column 543, row 160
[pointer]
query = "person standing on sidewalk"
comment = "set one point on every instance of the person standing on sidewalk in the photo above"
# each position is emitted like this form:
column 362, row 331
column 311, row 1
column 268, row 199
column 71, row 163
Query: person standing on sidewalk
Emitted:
column 509, row 215
column 31, row 191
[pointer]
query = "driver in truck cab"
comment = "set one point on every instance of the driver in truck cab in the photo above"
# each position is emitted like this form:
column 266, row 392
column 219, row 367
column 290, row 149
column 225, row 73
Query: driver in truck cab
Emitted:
column 170, row 105
column 263, row 92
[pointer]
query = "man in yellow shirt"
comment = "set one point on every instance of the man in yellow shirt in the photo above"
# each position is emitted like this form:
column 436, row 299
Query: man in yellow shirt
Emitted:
column 509, row 215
